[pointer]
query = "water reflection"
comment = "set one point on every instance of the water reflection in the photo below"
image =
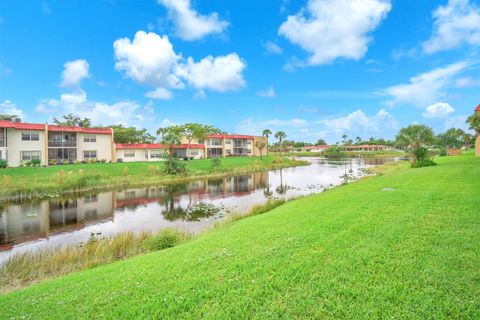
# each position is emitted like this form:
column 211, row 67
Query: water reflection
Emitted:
column 29, row 225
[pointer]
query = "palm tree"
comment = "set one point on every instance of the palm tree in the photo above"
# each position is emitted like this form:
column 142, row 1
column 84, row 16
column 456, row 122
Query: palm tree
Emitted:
column 280, row 136
column 266, row 133
column 416, row 137
column 344, row 139
column 358, row 140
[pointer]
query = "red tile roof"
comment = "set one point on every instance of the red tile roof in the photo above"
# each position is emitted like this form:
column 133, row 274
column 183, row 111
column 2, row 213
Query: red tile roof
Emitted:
column 155, row 146
column 478, row 108
column 21, row 125
column 316, row 147
column 230, row 136
column 54, row 128
column 79, row 129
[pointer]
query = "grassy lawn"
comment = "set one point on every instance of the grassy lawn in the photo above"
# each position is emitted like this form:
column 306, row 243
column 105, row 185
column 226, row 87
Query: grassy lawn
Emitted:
column 46, row 181
column 352, row 252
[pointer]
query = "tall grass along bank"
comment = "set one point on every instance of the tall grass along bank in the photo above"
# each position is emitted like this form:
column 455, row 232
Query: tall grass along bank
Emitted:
column 45, row 182
column 404, row 245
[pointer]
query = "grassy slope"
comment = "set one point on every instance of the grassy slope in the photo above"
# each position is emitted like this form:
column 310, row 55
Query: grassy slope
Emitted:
column 28, row 180
column 351, row 252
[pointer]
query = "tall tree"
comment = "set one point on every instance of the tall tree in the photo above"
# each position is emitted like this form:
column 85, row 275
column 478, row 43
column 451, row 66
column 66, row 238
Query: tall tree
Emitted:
column 280, row 136
column 8, row 117
column 452, row 138
column 344, row 139
column 321, row 142
column 358, row 140
column 195, row 131
column 260, row 144
column 266, row 133
column 72, row 120
column 123, row 134
column 416, row 137
column 474, row 122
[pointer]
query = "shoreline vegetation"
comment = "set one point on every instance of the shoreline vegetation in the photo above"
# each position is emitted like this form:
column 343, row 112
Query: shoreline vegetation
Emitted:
column 28, row 268
column 47, row 182
column 381, row 238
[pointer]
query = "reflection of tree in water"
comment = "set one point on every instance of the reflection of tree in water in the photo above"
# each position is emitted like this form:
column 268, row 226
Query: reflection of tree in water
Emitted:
column 281, row 189
column 173, row 211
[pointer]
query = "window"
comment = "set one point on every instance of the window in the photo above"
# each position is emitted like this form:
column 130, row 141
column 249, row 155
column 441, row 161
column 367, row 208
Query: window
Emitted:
column 229, row 151
column 156, row 154
column 249, row 151
column 228, row 141
column 30, row 155
column 90, row 154
column 216, row 142
column 193, row 153
column 30, row 136
column 249, row 141
column 91, row 198
column 89, row 138
column 129, row 154
column 201, row 141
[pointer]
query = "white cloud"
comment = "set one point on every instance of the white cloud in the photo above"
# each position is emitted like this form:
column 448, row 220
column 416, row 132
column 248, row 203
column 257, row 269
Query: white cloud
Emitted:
column 272, row 47
column 159, row 94
column 223, row 73
column 8, row 107
column 466, row 82
column 438, row 110
column 148, row 59
column 267, row 93
column 151, row 60
column 74, row 98
column 46, row 8
column 191, row 25
column 166, row 123
column 74, row 72
column 200, row 95
column 455, row 24
column 332, row 29
column 358, row 123
column 427, row 87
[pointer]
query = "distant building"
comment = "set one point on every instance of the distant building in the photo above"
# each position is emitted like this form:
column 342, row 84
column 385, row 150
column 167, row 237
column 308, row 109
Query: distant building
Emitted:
column 155, row 152
column 366, row 147
column 230, row 145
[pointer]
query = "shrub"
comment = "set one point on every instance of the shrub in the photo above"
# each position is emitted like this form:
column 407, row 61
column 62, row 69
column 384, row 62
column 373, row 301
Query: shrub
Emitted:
column 443, row 153
column 165, row 239
column 424, row 163
column 334, row 152
column 277, row 160
column 216, row 163
column 3, row 164
column 173, row 166
column 35, row 162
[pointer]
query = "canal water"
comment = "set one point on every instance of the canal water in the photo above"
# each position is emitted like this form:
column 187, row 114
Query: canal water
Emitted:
column 31, row 225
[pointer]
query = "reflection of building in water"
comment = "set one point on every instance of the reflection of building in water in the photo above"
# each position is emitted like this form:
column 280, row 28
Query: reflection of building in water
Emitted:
column 196, row 191
column 44, row 218
column 25, row 222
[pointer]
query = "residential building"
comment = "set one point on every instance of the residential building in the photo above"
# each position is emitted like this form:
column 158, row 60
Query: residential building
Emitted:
column 353, row 148
column 22, row 142
column 230, row 145
column 155, row 152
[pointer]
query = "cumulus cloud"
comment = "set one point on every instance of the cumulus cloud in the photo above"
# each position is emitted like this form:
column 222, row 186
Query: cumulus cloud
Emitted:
column 438, row 110
column 159, row 94
column 151, row 60
column 459, row 122
column 8, row 107
column 189, row 24
column 267, row 93
column 221, row 73
column 455, row 24
column 332, row 29
column 148, row 59
column 358, row 123
column 74, row 72
column 426, row 88
column 272, row 48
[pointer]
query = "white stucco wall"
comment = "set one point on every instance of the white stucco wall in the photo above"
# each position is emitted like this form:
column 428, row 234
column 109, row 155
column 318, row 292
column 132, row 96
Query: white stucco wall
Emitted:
column 103, row 146
column 15, row 146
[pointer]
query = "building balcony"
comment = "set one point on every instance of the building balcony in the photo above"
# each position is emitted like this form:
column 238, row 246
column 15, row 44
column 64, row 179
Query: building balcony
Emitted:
column 62, row 144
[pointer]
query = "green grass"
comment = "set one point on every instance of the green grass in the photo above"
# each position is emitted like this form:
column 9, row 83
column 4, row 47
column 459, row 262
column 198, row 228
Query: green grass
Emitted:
column 352, row 252
column 56, row 180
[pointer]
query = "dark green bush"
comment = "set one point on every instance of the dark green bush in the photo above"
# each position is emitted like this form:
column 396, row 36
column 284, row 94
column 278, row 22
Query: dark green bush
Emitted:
column 165, row 239
column 3, row 164
column 174, row 166
column 424, row 163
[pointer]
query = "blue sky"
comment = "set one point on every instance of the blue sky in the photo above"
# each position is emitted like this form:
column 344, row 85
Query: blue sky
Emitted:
column 314, row 69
